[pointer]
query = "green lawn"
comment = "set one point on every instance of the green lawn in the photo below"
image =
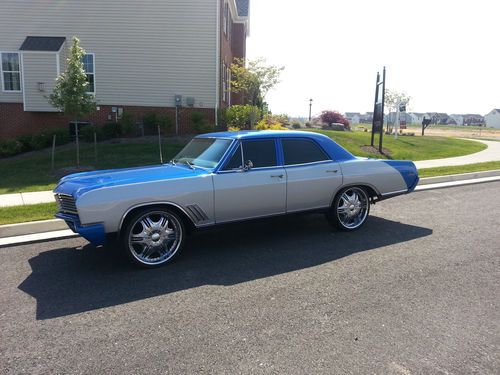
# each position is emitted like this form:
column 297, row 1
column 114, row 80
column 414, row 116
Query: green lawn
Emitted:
column 405, row 148
column 21, row 214
column 443, row 171
column 32, row 172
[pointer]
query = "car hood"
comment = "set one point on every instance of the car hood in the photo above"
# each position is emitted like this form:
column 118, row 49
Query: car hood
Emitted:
column 79, row 183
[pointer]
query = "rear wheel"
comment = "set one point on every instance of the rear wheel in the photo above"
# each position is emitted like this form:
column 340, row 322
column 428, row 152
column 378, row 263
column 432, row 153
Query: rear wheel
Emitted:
column 350, row 208
column 153, row 237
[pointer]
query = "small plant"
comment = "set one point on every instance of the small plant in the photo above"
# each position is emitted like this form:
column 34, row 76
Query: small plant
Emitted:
column 127, row 124
column 271, row 122
column 150, row 121
column 10, row 147
column 165, row 122
column 87, row 133
column 296, row 125
column 111, row 130
column 243, row 116
column 233, row 129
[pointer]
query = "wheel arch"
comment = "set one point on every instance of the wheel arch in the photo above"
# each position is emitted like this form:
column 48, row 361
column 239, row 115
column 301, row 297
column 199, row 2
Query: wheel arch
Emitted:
column 188, row 222
column 372, row 191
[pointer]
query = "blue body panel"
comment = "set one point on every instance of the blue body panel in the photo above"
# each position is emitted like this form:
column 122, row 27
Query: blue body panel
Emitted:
column 408, row 170
column 94, row 233
column 79, row 183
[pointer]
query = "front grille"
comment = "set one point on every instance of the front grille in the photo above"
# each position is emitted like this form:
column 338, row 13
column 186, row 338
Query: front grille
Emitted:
column 66, row 203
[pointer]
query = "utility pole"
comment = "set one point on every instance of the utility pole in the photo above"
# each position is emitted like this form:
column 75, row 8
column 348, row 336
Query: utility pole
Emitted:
column 310, row 106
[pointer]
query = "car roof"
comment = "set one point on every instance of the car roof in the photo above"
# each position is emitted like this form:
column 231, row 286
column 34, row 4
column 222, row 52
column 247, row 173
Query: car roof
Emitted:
column 256, row 134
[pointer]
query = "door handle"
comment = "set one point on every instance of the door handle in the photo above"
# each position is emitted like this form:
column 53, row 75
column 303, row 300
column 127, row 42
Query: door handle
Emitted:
column 277, row 175
column 332, row 170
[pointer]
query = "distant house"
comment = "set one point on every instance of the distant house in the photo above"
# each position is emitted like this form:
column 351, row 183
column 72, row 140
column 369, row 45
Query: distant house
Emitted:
column 367, row 118
column 417, row 117
column 141, row 57
column 438, row 118
column 492, row 119
column 353, row 117
column 473, row 120
column 456, row 119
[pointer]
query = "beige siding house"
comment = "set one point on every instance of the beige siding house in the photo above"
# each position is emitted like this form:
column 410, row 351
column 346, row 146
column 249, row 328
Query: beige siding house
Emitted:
column 141, row 55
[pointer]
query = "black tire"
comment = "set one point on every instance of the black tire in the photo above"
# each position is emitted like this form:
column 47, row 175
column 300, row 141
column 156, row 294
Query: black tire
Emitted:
column 153, row 237
column 349, row 216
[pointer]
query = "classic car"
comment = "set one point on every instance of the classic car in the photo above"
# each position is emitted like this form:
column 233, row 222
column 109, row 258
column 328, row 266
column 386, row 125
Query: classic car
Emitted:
column 226, row 177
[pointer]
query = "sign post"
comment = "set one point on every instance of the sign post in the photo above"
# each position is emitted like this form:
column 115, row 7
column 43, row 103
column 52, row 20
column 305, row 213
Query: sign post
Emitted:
column 378, row 110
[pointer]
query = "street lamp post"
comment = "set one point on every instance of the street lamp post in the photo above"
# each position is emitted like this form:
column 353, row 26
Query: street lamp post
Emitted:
column 310, row 106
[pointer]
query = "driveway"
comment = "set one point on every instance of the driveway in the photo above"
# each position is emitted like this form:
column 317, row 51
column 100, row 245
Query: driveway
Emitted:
column 415, row 291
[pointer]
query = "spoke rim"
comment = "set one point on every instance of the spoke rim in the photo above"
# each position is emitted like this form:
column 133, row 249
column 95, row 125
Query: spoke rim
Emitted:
column 155, row 237
column 352, row 207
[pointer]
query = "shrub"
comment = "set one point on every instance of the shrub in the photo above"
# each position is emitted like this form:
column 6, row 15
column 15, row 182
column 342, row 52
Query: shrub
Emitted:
column 10, row 147
column 200, row 124
column 87, row 133
column 242, row 116
column 127, row 124
column 150, row 120
column 331, row 117
column 111, row 130
column 62, row 136
column 165, row 122
column 271, row 122
column 296, row 125
column 233, row 129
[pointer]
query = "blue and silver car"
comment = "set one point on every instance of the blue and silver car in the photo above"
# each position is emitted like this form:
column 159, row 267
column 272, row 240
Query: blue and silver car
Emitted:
column 227, row 177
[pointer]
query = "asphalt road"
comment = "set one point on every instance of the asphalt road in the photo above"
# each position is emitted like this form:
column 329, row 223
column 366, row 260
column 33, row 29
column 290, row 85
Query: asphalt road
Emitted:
column 416, row 291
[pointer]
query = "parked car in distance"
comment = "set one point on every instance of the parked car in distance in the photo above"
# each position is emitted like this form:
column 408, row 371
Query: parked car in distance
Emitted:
column 227, row 177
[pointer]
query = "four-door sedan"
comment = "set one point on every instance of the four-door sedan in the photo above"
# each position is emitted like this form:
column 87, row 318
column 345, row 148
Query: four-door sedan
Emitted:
column 227, row 177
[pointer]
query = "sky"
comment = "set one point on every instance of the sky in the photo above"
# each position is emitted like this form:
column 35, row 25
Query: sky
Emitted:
column 444, row 54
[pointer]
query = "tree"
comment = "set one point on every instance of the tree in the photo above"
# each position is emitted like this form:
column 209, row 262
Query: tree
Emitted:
column 392, row 98
column 254, row 79
column 70, row 91
column 332, row 117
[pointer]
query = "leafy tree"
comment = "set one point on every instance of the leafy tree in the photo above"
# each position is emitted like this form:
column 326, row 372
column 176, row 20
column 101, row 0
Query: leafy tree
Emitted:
column 254, row 79
column 392, row 98
column 70, row 91
column 332, row 117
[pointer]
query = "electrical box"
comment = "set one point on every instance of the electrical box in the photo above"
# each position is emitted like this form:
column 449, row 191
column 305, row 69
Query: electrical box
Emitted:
column 190, row 101
column 178, row 100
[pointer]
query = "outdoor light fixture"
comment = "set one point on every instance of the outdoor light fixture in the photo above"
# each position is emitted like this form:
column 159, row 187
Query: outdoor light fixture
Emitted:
column 41, row 86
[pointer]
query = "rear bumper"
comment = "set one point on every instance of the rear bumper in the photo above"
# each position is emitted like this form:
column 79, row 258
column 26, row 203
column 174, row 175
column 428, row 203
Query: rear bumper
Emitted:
column 94, row 233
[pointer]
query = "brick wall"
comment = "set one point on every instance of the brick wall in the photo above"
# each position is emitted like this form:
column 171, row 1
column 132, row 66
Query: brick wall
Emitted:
column 14, row 121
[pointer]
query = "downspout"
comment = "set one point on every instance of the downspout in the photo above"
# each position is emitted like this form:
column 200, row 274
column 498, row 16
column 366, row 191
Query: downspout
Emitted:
column 217, row 62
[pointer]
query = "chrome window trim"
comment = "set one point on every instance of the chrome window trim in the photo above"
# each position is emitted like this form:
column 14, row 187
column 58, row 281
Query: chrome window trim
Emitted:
column 310, row 163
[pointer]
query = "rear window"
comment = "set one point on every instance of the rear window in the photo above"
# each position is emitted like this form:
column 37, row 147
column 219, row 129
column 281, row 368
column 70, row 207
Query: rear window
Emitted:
column 302, row 151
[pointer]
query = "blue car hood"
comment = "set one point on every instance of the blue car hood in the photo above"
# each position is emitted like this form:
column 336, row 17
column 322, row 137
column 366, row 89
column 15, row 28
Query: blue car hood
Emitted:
column 79, row 183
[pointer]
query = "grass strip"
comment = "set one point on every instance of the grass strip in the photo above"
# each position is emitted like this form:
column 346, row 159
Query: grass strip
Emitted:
column 21, row 214
column 457, row 169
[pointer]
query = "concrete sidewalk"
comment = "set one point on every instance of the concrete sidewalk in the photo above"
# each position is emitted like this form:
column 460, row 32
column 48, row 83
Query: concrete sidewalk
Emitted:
column 492, row 153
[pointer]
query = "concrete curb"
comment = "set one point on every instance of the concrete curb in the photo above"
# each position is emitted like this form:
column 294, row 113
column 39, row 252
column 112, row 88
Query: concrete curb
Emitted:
column 40, row 230
column 458, row 177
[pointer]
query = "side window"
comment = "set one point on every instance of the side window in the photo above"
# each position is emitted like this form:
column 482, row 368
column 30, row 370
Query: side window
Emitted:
column 235, row 162
column 301, row 151
column 260, row 153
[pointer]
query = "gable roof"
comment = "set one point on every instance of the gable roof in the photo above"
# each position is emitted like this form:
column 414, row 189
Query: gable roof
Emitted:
column 242, row 6
column 42, row 43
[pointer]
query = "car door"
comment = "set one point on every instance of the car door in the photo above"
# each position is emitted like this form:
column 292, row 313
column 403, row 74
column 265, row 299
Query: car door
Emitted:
column 312, row 177
column 255, row 190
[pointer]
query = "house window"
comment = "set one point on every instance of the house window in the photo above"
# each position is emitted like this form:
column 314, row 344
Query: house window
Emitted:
column 89, row 67
column 11, row 72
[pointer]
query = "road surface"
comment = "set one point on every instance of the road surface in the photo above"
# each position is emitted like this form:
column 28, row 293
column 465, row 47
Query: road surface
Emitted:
column 416, row 291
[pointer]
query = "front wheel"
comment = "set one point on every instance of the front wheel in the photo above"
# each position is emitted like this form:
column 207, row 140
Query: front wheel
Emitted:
column 350, row 209
column 153, row 237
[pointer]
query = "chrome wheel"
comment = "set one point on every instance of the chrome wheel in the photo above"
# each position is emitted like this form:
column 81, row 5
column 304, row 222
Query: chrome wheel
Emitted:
column 155, row 237
column 352, row 208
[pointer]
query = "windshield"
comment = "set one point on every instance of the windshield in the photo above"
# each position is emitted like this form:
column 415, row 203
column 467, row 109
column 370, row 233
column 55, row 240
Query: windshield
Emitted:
column 203, row 152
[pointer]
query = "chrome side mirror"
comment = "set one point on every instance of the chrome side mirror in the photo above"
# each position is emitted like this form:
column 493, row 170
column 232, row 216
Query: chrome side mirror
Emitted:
column 248, row 165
